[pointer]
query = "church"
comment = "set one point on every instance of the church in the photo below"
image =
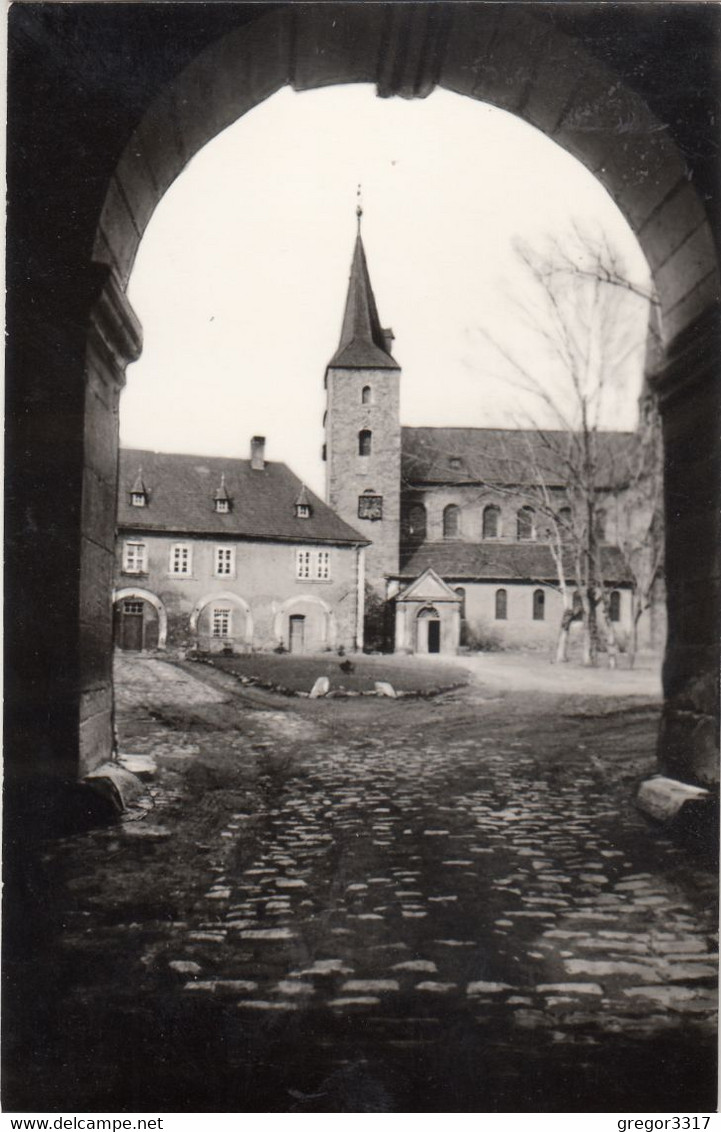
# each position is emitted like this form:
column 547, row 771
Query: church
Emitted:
column 457, row 551
column 427, row 541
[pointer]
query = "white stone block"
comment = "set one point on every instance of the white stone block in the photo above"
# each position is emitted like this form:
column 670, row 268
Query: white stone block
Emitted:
column 663, row 798
column 383, row 688
column 320, row 688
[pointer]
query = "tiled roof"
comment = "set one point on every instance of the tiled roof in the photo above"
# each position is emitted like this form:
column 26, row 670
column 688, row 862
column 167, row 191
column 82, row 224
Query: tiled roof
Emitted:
column 362, row 344
column 181, row 490
column 520, row 561
column 502, row 455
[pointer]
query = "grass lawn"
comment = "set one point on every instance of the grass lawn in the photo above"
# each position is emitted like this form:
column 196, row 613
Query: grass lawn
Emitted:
column 299, row 673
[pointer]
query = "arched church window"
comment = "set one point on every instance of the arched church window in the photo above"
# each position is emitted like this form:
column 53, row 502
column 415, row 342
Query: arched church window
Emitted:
column 565, row 524
column 524, row 524
column 417, row 521
column 501, row 605
column 452, row 521
column 460, row 591
column 491, row 521
column 614, row 606
column 364, row 442
column 600, row 525
column 539, row 605
column 366, row 395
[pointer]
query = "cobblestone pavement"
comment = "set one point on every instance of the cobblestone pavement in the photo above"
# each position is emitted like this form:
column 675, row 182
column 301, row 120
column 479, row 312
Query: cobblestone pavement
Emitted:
column 417, row 906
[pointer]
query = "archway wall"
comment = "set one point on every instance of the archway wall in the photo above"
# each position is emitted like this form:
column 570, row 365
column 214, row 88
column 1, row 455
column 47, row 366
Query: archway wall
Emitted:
column 81, row 195
column 506, row 56
column 500, row 54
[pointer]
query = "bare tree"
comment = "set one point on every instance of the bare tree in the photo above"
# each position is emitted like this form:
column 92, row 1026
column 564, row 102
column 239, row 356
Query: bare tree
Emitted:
column 589, row 319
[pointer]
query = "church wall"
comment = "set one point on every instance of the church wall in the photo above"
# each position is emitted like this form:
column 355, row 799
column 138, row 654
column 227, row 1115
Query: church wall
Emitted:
column 349, row 475
column 519, row 629
column 264, row 579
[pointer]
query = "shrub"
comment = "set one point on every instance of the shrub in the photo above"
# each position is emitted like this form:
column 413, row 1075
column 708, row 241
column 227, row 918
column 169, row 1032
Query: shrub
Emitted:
column 480, row 637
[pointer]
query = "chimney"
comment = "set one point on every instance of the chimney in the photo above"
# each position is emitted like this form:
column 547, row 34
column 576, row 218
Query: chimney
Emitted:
column 388, row 339
column 257, row 453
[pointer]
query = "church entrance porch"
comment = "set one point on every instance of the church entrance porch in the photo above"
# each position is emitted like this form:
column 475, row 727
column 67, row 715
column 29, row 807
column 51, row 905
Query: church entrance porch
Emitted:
column 427, row 617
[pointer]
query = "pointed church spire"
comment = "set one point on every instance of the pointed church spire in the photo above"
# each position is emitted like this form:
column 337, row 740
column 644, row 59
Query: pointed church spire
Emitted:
column 363, row 343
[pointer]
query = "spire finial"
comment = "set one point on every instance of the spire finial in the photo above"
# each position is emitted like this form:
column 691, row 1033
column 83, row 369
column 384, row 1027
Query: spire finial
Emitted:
column 359, row 208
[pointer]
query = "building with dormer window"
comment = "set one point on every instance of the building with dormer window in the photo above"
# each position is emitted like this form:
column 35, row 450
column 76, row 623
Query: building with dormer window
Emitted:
column 232, row 555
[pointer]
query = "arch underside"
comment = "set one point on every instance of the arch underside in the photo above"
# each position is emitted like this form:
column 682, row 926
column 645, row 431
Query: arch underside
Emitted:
column 498, row 54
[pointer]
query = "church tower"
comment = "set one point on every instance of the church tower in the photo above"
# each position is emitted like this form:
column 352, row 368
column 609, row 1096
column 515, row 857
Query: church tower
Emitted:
column 362, row 426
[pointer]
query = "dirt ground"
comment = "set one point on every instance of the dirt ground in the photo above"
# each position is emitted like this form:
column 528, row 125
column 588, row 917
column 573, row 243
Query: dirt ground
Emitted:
column 370, row 905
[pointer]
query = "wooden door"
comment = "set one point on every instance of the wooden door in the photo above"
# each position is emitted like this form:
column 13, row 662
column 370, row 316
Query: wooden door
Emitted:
column 131, row 626
column 434, row 636
column 297, row 633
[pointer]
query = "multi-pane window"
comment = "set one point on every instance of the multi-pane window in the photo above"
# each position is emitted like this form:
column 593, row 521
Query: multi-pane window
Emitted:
column 501, row 605
column 137, row 498
column 224, row 561
column 133, row 607
column 539, row 605
column 302, row 511
column 313, row 565
column 221, row 622
column 180, row 558
column 222, row 506
column 134, row 558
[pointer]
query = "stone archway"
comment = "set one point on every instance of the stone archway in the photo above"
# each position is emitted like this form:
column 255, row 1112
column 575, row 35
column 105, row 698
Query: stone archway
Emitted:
column 225, row 597
column 325, row 635
column 512, row 56
column 132, row 592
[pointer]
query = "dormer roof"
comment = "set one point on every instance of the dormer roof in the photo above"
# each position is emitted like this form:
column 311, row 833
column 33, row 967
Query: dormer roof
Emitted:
column 221, row 492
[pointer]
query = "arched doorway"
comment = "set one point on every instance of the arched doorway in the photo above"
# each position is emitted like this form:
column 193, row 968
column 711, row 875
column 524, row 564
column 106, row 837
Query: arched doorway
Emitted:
column 508, row 55
column 305, row 624
column 140, row 621
column 428, row 630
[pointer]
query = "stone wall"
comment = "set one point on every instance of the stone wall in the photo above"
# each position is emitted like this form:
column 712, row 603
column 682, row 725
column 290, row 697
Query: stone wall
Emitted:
column 349, row 475
column 262, row 593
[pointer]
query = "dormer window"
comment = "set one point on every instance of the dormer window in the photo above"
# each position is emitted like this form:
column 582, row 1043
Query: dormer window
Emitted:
column 138, row 492
column 303, row 509
column 221, row 499
column 455, row 462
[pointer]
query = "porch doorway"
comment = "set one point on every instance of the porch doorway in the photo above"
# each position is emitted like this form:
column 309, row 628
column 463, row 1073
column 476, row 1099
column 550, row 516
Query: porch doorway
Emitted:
column 428, row 631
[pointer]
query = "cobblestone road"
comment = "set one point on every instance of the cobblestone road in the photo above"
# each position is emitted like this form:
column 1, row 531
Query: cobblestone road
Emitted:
column 418, row 906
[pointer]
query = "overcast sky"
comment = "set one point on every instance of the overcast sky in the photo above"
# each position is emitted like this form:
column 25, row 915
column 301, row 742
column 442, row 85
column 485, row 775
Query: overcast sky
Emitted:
column 241, row 277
